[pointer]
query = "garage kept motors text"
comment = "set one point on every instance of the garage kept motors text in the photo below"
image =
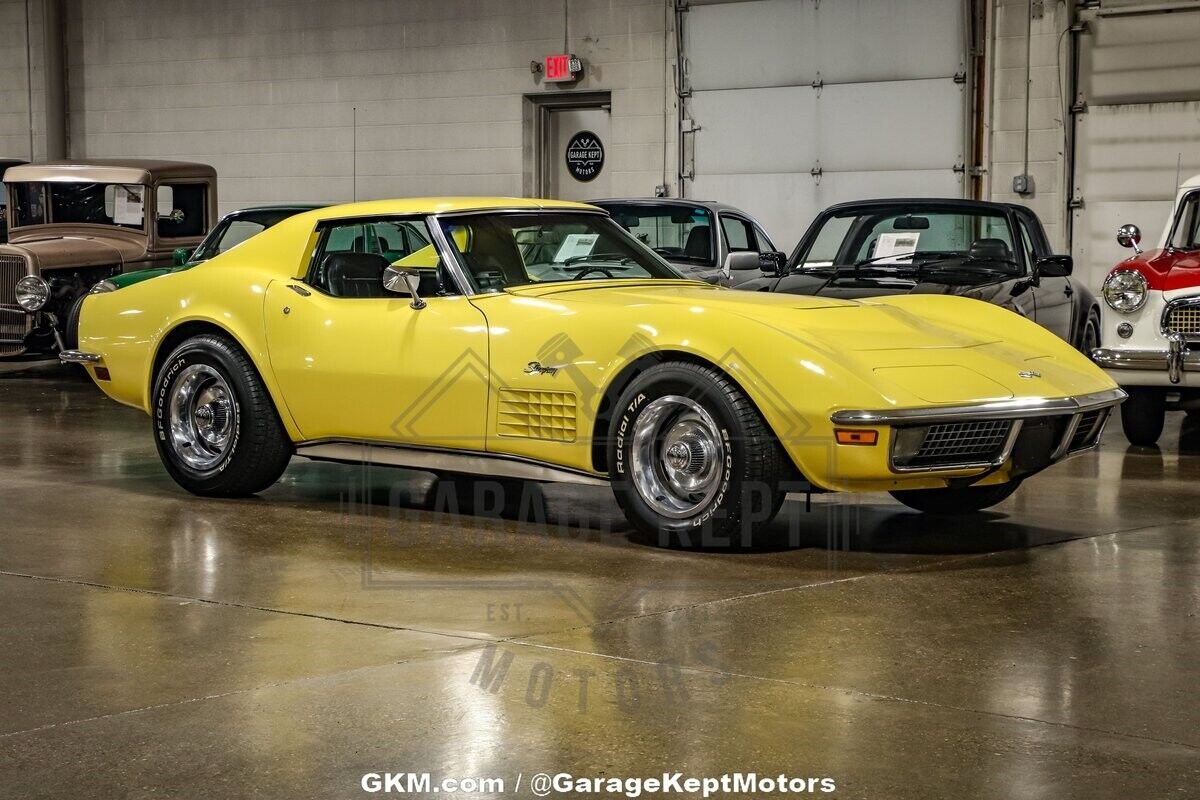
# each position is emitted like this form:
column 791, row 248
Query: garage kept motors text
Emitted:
column 585, row 156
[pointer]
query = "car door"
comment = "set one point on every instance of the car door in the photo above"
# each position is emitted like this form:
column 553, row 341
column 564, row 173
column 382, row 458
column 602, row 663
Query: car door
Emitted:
column 357, row 362
column 1053, row 297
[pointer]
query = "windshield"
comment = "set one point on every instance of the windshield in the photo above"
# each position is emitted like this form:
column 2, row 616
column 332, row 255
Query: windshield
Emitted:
column 900, row 239
column 118, row 204
column 1186, row 235
column 502, row 249
column 681, row 233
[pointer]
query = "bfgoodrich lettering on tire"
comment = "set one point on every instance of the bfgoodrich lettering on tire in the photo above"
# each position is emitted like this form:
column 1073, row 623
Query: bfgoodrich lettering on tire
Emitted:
column 691, row 460
column 215, row 427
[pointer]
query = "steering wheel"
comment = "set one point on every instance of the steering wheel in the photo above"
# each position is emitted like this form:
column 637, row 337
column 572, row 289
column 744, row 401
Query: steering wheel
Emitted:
column 590, row 270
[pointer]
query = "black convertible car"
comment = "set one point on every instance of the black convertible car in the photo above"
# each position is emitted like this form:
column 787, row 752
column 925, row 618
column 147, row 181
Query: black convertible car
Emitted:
column 996, row 252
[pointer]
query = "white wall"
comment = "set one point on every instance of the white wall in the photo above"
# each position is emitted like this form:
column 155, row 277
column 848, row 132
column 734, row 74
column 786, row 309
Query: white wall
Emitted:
column 1046, row 118
column 15, row 89
column 264, row 90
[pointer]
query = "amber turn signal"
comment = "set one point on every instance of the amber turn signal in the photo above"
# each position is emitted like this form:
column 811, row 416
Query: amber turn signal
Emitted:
column 844, row 436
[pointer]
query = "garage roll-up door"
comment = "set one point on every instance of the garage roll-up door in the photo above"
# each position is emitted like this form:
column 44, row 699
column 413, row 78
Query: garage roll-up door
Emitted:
column 800, row 104
column 1139, row 133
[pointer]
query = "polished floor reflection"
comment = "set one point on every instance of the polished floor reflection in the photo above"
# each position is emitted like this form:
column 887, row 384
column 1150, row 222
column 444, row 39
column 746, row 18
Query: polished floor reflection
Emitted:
column 354, row 620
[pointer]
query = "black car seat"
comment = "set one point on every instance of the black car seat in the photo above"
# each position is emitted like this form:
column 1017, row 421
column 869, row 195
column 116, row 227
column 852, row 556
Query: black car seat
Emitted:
column 990, row 250
column 699, row 243
column 493, row 254
column 355, row 274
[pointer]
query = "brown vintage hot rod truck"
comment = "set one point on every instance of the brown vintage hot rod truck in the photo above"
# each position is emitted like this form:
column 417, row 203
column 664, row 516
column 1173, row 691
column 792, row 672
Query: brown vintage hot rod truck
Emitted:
column 72, row 224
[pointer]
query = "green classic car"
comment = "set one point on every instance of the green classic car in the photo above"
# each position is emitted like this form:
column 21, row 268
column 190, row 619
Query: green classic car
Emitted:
column 233, row 229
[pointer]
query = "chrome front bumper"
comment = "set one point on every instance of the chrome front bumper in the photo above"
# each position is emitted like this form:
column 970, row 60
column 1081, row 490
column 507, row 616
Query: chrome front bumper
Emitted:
column 1176, row 359
column 78, row 357
column 1019, row 412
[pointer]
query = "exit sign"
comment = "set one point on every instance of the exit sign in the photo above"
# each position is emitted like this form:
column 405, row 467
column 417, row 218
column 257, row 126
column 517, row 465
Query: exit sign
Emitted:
column 562, row 68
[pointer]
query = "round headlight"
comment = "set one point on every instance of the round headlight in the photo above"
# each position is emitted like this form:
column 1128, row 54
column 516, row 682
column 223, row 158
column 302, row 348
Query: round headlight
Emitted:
column 1125, row 290
column 32, row 293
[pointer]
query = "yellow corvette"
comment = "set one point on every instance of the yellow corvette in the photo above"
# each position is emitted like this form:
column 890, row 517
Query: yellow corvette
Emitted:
column 537, row 340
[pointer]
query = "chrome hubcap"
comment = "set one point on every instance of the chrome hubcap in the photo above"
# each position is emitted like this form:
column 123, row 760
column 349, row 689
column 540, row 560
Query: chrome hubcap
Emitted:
column 202, row 416
column 677, row 456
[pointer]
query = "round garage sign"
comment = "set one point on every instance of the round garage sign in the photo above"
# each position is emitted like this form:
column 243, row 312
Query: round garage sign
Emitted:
column 585, row 156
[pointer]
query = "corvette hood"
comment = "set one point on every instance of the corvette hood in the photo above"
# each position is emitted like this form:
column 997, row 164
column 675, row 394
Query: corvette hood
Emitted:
column 845, row 325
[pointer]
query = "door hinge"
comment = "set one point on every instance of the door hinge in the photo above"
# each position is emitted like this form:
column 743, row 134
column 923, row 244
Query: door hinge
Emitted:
column 816, row 172
column 960, row 77
column 1080, row 106
column 1076, row 201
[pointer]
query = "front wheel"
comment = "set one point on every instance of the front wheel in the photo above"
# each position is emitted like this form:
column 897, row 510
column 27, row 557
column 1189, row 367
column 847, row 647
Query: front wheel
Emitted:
column 1143, row 415
column 691, row 460
column 967, row 500
column 216, row 429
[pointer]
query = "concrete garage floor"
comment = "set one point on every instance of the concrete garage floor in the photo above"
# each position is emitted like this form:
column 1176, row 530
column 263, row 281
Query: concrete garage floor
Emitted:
column 157, row 644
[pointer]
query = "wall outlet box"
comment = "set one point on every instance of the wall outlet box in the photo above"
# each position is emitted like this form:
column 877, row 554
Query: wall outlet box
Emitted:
column 1022, row 184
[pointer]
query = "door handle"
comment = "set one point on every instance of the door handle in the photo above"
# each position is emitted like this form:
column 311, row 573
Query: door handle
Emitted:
column 1068, row 291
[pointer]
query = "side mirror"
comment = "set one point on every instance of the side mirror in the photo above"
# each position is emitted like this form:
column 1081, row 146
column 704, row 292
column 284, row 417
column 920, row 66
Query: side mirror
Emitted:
column 403, row 281
column 772, row 263
column 1054, row 266
column 180, row 256
column 1129, row 236
column 741, row 261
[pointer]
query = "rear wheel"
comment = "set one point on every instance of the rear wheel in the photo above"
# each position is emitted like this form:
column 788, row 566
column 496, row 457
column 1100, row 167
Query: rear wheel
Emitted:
column 216, row 429
column 1143, row 415
column 691, row 460
column 1090, row 339
column 956, row 501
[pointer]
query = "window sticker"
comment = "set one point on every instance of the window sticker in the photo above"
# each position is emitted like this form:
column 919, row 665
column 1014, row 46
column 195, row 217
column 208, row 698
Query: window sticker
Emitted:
column 896, row 248
column 127, row 206
column 576, row 245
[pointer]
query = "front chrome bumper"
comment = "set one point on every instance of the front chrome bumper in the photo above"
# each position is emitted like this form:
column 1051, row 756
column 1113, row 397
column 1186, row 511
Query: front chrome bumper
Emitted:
column 1176, row 359
column 1057, row 439
column 78, row 357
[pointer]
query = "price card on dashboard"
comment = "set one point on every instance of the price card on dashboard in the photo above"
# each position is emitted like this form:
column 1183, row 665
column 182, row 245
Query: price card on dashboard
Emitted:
column 895, row 248
column 127, row 205
column 575, row 245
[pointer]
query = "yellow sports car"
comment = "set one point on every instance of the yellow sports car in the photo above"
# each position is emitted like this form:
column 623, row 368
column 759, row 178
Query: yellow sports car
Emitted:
column 537, row 340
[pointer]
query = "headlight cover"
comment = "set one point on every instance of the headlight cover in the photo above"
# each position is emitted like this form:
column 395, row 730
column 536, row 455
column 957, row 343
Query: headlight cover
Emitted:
column 32, row 293
column 1125, row 290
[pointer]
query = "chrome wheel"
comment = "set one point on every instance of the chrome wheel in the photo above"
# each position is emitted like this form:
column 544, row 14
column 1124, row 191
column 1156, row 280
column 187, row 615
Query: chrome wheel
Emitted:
column 202, row 416
column 677, row 456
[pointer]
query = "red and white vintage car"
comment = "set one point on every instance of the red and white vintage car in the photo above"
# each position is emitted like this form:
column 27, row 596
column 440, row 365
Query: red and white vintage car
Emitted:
column 1152, row 324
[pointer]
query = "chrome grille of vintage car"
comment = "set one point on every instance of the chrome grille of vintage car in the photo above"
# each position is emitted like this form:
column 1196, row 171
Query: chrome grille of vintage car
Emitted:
column 14, row 323
column 1183, row 318
column 957, row 443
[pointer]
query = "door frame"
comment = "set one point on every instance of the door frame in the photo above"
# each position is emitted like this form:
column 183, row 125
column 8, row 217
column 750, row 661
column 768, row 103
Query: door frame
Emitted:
column 535, row 129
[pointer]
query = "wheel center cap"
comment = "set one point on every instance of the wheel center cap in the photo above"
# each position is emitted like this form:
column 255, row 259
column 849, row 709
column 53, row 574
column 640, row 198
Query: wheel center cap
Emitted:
column 678, row 455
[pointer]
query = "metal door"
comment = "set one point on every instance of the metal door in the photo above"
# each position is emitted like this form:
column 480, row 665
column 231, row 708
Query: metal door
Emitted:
column 584, row 172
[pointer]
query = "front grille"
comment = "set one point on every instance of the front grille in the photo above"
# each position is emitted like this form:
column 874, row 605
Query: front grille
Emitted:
column 955, row 443
column 14, row 322
column 1184, row 320
column 1088, row 430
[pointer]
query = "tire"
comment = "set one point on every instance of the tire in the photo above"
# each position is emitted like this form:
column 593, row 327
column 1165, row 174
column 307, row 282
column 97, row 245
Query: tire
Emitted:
column 217, row 431
column 1143, row 415
column 71, row 329
column 956, row 501
column 721, row 485
column 1090, row 338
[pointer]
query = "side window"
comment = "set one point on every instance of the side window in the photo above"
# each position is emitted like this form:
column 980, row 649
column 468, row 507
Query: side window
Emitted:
column 182, row 210
column 765, row 245
column 738, row 233
column 1186, row 233
column 238, row 231
column 350, row 258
